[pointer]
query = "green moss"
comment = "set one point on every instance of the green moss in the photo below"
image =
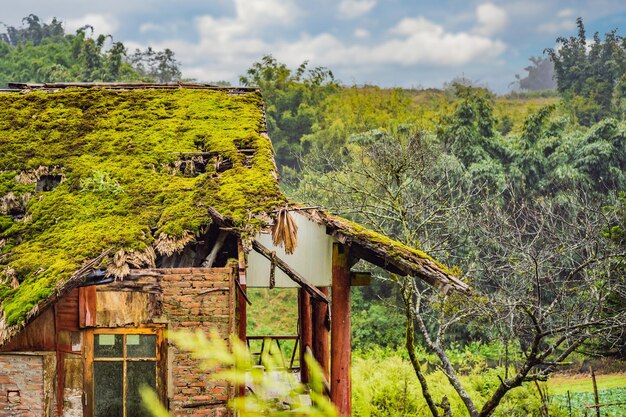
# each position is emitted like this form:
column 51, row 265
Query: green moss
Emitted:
column 116, row 150
column 392, row 247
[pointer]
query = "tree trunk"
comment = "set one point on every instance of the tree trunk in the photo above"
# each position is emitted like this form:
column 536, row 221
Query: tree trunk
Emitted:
column 410, row 347
column 454, row 380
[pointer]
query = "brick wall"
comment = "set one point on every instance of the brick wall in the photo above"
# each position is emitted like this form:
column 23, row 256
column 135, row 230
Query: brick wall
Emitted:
column 21, row 386
column 197, row 299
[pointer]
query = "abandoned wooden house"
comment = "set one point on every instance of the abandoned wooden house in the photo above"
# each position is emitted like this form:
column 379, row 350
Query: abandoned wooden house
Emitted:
column 128, row 210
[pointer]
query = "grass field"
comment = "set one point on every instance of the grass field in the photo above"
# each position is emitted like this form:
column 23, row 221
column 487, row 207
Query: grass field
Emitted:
column 611, row 390
column 273, row 312
column 560, row 384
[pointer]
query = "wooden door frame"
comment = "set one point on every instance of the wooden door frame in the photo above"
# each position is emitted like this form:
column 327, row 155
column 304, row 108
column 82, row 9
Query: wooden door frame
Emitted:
column 88, row 356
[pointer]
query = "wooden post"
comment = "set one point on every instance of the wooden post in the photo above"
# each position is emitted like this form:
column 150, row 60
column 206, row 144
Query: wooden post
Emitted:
column 320, row 333
column 306, row 330
column 596, row 398
column 242, row 305
column 60, row 358
column 340, row 341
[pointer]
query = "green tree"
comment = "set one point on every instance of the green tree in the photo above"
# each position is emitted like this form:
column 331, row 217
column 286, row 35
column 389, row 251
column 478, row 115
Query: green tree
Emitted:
column 43, row 52
column 496, row 206
column 160, row 66
column 292, row 98
column 588, row 75
column 469, row 133
column 540, row 75
column 34, row 32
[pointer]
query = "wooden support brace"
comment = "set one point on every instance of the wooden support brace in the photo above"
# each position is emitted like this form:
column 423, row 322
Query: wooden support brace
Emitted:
column 242, row 304
column 212, row 256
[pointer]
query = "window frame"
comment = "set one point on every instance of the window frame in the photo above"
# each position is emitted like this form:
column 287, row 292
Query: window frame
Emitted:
column 161, row 356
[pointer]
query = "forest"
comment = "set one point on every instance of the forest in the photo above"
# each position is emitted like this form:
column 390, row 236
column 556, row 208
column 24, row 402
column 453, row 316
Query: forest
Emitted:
column 523, row 195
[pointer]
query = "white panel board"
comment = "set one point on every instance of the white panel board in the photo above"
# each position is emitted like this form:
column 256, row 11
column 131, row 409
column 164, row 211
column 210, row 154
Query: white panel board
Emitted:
column 312, row 258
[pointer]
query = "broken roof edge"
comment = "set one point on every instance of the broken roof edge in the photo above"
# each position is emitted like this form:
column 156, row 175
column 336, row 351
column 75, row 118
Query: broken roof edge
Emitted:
column 7, row 332
column 385, row 252
column 17, row 86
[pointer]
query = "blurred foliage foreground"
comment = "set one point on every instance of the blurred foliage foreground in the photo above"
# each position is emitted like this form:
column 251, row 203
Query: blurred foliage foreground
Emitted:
column 276, row 392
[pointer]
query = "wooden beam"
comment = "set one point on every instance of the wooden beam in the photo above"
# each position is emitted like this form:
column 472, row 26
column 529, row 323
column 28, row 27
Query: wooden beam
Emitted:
column 87, row 306
column 299, row 279
column 60, row 361
column 212, row 256
column 321, row 326
column 306, row 331
column 340, row 338
column 360, row 279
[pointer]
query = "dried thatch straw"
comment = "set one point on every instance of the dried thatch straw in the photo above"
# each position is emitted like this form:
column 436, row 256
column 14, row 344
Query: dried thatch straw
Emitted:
column 285, row 231
column 122, row 261
column 10, row 275
column 118, row 266
column 168, row 245
column 8, row 202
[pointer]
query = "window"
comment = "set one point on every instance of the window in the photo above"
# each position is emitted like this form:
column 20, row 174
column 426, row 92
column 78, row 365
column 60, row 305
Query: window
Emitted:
column 119, row 362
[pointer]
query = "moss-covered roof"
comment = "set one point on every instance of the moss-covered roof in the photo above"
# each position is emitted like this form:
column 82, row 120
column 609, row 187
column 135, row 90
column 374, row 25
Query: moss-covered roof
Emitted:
column 388, row 253
column 127, row 159
column 104, row 176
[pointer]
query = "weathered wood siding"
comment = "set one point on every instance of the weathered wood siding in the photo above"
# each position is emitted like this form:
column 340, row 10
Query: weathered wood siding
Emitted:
column 37, row 336
column 178, row 298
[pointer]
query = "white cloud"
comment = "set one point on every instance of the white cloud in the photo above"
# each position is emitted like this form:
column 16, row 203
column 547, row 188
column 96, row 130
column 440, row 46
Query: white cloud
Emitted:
column 230, row 43
column 227, row 46
column 414, row 41
column 104, row 24
column 564, row 22
column 361, row 33
column 411, row 26
column 490, row 18
column 150, row 27
column 265, row 12
column 560, row 25
column 355, row 8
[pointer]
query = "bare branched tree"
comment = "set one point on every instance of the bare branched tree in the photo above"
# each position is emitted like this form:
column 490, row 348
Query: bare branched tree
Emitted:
column 542, row 273
column 542, row 277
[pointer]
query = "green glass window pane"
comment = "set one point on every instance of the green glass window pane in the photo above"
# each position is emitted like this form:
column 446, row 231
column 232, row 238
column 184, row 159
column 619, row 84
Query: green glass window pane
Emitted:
column 141, row 346
column 108, row 346
column 139, row 373
column 108, row 389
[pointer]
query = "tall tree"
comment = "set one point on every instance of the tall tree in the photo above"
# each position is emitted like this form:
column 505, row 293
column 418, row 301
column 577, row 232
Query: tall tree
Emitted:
column 539, row 75
column 291, row 97
column 43, row 52
column 587, row 75
column 527, row 232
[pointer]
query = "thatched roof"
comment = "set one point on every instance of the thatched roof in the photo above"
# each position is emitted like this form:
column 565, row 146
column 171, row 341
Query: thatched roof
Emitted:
column 107, row 175
column 138, row 166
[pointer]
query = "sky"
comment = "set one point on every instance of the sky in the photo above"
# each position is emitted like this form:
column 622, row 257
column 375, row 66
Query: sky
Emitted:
column 391, row 43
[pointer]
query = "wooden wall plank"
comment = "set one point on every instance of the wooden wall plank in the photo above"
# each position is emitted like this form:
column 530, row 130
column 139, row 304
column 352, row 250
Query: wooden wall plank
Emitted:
column 37, row 336
column 87, row 306
column 67, row 312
